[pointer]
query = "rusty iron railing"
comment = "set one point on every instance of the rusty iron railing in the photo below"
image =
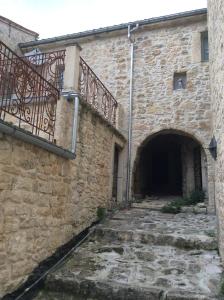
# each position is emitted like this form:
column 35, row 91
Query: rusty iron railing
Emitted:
column 49, row 65
column 26, row 98
column 94, row 92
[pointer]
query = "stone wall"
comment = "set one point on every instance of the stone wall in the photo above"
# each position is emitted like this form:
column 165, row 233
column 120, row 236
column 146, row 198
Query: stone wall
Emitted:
column 160, row 50
column 46, row 199
column 216, row 42
column 11, row 34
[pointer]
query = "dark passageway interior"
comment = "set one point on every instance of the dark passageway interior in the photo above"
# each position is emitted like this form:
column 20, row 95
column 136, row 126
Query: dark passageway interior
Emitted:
column 162, row 163
column 160, row 166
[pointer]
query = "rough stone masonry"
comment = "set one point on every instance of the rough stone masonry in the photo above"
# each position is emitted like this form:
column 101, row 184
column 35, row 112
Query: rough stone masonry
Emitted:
column 47, row 199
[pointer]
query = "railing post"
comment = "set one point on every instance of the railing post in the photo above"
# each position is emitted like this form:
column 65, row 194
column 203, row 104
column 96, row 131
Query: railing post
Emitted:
column 65, row 107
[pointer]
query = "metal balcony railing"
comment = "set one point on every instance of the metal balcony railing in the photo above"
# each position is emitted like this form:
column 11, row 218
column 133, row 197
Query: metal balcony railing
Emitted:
column 27, row 99
column 50, row 65
column 94, row 92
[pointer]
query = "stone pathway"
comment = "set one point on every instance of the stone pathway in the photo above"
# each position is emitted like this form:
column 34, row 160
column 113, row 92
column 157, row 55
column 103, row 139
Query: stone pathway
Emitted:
column 142, row 254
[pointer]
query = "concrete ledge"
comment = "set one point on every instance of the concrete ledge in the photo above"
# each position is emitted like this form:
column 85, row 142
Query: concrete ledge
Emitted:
column 28, row 137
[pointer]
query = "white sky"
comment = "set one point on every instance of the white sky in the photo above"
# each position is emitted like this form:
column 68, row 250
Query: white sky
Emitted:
column 57, row 17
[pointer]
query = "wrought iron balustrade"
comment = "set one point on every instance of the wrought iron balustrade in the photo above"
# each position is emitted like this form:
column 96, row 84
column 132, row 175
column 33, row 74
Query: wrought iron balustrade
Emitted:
column 49, row 65
column 95, row 93
column 26, row 98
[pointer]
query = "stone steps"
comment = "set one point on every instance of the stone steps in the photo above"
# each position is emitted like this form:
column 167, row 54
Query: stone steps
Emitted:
column 141, row 236
column 139, row 255
column 157, row 204
column 152, row 204
column 188, row 231
column 108, row 290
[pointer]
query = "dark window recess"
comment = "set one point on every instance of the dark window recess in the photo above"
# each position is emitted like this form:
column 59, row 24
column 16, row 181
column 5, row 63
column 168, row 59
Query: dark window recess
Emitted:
column 204, row 46
column 179, row 81
column 115, row 172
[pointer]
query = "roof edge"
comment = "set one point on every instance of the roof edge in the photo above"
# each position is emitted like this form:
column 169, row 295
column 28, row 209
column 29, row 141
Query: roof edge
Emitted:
column 114, row 28
column 18, row 26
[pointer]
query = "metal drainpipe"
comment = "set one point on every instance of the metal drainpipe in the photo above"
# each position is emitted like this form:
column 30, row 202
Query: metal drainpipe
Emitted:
column 73, row 96
column 75, row 124
column 130, row 30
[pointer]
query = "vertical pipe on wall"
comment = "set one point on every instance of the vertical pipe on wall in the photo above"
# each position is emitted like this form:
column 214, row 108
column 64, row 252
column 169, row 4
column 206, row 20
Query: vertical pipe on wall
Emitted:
column 75, row 124
column 130, row 30
column 73, row 96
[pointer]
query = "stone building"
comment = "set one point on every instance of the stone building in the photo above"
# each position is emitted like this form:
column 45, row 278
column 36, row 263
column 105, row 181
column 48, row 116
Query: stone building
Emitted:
column 171, row 98
column 12, row 33
column 162, row 144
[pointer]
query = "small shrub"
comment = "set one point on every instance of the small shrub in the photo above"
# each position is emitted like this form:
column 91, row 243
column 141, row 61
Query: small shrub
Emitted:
column 196, row 196
column 169, row 209
column 185, row 201
column 173, row 207
column 101, row 213
column 179, row 202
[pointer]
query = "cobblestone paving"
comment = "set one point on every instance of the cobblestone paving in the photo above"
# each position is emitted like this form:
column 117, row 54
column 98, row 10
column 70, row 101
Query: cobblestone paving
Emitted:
column 143, row 254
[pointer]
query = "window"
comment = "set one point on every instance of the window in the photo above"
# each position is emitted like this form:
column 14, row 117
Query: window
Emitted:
column 204, row 46
column 179, row 81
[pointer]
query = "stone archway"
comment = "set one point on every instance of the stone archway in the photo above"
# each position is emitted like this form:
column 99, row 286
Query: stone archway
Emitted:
column 169, row 162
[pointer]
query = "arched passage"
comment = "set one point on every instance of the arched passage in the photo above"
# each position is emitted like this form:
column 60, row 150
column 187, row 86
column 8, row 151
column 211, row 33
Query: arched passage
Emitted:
column 170, row 163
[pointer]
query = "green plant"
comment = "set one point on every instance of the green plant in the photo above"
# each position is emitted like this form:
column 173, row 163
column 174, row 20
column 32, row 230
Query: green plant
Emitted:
column 195, row 197
column 169, row 209
column 101, row 213
column 179, row 202
column 174, row 207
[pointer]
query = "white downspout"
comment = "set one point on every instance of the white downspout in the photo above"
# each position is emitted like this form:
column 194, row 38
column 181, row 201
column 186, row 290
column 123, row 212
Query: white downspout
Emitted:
column 128, row 183
column 73, row 96
column 75, row 124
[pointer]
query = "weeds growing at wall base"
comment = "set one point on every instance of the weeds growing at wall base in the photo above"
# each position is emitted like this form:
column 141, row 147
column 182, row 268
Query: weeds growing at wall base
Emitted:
column 174, row 207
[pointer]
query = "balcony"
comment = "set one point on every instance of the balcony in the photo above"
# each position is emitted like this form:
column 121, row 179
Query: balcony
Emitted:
column 30, row 87
column 27, row 99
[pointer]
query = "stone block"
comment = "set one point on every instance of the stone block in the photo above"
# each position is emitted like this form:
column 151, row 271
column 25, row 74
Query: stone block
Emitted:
column 23, row 183
column 6, row 181
column 44, row 187
column 11, row 224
